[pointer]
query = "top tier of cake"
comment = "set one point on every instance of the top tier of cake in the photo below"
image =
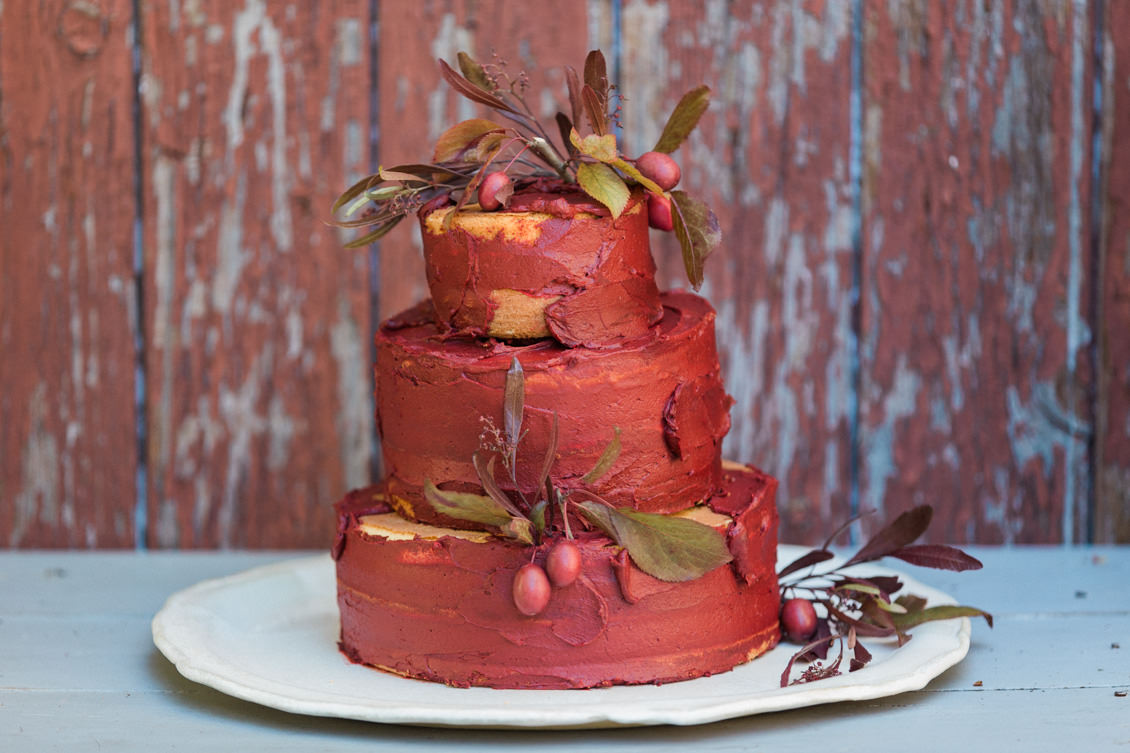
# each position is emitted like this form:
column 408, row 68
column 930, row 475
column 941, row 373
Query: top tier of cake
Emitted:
column 554, row 264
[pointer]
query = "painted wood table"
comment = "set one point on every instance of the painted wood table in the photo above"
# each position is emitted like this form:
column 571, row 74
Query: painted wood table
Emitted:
column 78, row 671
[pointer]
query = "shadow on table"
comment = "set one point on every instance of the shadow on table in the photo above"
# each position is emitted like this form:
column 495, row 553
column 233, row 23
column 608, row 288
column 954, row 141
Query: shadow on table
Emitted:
column 213, row 704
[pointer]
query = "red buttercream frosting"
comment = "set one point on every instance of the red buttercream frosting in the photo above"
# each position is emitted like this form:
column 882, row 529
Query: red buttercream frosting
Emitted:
column 441, row 609
column 662, row 390
column 595, row 273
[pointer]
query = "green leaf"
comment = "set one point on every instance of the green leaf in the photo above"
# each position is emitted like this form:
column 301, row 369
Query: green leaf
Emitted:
column 606, row 460
column 683, row 119
column 550, row 453
column 669, row 548
column 468, row 136
column 931, row 614
column 514, row 402
column 474, row 72
column 354, row 191
column 375, row 235
column 537, row 515
column 520, row 529
column 630, row 170
column 602, row 148
column 698, row 232
column 602, row 183
column 465, row 506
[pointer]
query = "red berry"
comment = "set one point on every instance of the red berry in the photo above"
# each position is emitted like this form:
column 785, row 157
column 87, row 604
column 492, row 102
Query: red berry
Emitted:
column 798, row 619
column 563, row 563
column 531, row 590
column 659, row 213
column 660, row 168
column 495, row 191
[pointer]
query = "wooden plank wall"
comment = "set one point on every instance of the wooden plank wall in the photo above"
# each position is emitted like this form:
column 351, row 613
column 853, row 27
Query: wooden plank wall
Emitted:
column 923, row 296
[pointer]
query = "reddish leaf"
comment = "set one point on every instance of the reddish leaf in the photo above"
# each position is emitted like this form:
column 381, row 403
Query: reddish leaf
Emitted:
column 485, row 471
column 806, row 650
column 594, row 110
column 862, row 656
column 574, row 84
column 565, row 126
column 904, row 530
column 596, row 74
column 814, row 557
column 466, row 136
column 937, row 556
column 472, row 92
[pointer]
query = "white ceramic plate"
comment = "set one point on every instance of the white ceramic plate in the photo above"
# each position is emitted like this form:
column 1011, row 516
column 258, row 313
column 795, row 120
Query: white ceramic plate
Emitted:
column 269, row 635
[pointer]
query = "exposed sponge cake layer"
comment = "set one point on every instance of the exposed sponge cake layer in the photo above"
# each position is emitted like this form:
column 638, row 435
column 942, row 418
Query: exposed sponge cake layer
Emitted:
column 554, row 265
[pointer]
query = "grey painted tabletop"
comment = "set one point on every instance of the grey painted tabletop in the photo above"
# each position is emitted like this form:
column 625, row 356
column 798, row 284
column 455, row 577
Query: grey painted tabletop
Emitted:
column 78, row 670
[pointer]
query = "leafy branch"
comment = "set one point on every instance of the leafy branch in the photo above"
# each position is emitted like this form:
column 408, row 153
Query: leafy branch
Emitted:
column 835, row 606
column 666, row 547
column 583, row 150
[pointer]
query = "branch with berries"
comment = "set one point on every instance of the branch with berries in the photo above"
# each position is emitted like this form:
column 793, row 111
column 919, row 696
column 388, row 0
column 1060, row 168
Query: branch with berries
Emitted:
column 491, row 160
column 666, row 547
column 837, row 606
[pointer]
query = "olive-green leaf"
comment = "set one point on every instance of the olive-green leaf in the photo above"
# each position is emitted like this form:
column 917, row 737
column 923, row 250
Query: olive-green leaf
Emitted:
column 931, row 614
column 519, row 528
column 375, row 235
column 664, row 546
column 537, row 515
column 607, row 458
column 514, row 402
column 602, row 148
column 683, row 119
column 602, row 183
column 630, row 170
column 466, row 506
column 474, row 72
column 698, row 232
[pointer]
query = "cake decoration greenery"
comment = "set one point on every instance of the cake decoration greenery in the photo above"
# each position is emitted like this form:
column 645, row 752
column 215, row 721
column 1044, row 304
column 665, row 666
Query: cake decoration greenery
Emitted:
column 489, row 159
column 666, row 547
column 838, row 607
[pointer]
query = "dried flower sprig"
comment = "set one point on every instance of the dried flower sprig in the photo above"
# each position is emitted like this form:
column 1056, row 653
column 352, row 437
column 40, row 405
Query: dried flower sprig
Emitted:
column 586, row 153
column 837, row 605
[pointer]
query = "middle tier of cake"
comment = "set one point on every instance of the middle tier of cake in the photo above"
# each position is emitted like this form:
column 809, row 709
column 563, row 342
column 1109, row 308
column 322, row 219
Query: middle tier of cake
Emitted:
column 436, row 396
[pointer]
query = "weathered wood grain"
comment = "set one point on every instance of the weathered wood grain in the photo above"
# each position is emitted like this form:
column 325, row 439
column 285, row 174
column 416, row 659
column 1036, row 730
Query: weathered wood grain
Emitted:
column 416, row 105
column 68, row 453
column 771, row 157
column 975, row 329
column 1112, row 417
column 255, row 116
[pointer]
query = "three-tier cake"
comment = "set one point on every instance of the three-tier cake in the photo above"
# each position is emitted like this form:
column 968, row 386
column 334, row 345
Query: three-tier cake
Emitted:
column 549, row 404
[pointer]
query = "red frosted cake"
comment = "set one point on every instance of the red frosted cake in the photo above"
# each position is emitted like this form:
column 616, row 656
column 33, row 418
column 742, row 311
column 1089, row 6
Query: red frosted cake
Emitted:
column 555, row 512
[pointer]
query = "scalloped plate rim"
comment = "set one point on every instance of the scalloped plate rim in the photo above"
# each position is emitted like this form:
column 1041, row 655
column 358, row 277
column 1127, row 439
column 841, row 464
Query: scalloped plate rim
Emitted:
column 190, row 631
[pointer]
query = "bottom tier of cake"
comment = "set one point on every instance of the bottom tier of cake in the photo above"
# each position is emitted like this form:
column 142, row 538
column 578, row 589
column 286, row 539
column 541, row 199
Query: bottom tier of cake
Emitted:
column 435, row 603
